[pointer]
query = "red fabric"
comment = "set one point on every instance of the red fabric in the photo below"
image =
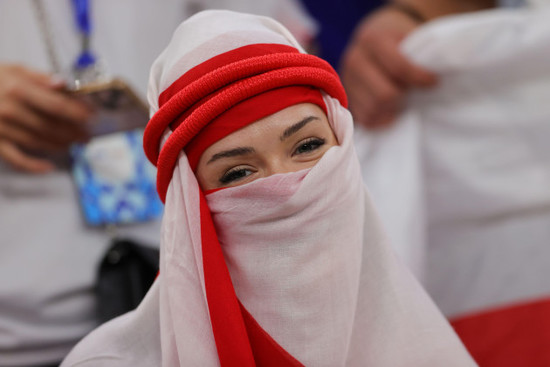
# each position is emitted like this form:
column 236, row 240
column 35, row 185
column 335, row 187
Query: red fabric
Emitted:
column 228, row 327
column 267, row 353
column 246, row 112
column 514, row 336
column 214, row 92
column 220, row 61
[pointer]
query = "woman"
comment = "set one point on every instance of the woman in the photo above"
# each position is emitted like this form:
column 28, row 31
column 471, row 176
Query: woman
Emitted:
column 271, row 251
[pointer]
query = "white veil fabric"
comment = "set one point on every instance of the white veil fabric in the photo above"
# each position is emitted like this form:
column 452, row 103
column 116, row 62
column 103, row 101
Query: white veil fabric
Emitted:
column 306, row 254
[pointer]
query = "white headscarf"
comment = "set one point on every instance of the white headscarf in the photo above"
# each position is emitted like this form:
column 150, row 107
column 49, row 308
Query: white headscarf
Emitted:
column 307, row 257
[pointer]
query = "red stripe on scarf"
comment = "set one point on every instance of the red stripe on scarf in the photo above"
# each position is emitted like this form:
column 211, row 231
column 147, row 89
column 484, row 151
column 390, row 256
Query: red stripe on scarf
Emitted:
column 267, row 353
column 514, row 336
column 228, row 326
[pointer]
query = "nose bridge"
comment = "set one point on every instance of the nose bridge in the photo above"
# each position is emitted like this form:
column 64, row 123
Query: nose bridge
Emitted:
column 279, row 164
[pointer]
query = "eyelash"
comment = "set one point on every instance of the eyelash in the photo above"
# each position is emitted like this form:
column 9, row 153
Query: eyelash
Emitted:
column 311, row 144
column 234, row 174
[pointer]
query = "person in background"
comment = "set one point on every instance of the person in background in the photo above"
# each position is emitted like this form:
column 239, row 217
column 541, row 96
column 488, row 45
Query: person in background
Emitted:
column 49, row 255
column 376, row 75
column 464, row 168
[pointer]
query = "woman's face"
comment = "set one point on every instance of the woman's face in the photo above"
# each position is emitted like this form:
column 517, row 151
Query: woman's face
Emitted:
column 290, row 140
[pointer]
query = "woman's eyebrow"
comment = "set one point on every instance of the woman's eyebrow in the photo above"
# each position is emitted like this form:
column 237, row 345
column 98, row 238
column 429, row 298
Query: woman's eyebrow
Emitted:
column 297, row 126
column 231, row 153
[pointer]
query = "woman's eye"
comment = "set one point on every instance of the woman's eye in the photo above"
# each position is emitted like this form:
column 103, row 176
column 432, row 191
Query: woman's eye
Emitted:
column 234, row 174
column 309, row 145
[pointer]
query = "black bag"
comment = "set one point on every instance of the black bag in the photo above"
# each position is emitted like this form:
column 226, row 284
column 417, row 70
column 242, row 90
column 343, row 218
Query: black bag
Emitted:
column 125, row 275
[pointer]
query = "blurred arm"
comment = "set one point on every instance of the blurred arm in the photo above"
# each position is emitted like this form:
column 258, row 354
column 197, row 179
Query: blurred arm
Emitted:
column 375, row 73
column 36, row 116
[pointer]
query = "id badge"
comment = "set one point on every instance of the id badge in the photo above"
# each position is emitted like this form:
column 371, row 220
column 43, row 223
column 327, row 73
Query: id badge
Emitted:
column 115, row 181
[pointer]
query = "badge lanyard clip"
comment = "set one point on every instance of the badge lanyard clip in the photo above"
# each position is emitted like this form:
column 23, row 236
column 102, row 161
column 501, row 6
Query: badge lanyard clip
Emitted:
column 86, row 68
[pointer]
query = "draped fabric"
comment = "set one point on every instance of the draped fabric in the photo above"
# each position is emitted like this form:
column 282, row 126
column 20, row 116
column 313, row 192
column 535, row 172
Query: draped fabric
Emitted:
column 288, row 270
column 475, row 158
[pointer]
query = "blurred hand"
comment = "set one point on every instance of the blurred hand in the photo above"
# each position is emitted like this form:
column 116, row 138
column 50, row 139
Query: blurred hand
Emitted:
column 375, row 73
column 36, row 116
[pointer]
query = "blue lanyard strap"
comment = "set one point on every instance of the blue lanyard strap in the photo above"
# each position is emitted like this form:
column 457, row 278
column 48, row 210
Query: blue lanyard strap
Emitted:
column 81, row 10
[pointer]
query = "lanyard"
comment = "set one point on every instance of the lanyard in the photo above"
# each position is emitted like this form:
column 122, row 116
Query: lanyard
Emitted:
column 47, row 36
column 81, row 9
